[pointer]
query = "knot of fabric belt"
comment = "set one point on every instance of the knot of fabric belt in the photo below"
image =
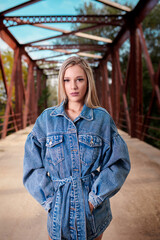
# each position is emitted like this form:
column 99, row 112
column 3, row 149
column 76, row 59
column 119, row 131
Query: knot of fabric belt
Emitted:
column 79, row 207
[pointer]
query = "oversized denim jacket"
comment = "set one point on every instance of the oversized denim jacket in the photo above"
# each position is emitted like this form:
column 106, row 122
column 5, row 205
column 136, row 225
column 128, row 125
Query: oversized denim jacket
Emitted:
column 68, row 163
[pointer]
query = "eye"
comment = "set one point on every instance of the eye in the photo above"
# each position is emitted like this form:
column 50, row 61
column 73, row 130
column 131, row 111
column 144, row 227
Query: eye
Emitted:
column 66, row 80
column 80, row 79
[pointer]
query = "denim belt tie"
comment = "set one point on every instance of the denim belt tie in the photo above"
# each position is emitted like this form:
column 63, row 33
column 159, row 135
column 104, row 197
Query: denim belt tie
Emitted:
column 79, row 207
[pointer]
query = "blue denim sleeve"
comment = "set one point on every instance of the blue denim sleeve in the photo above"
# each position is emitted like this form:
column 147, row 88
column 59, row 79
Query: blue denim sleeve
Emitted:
column 114, row 170
column 35, row 177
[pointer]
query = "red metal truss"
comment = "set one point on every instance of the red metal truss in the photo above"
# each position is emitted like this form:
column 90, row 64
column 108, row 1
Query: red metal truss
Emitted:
column 9, row 102
column 30, row 102
column 16, row 79
column 152, row 74
column 121, row 95
column 106, row 90
column 83, row 47
column 7, row 92
column 65, row 34
column 134, row 18
column 115, row 5
column 112, row 20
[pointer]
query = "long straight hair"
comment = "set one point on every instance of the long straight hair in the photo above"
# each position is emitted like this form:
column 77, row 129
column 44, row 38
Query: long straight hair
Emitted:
column 91, row 98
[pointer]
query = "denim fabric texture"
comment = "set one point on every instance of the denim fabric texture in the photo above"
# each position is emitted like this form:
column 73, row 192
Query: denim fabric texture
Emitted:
column 68, row 163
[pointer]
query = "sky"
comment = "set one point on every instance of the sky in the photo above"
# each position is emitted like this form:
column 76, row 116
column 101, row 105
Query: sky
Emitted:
column 26, row 33
column 52, row 6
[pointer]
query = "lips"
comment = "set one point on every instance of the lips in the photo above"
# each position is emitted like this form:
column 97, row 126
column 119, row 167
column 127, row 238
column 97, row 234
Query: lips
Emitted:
column 74, row 93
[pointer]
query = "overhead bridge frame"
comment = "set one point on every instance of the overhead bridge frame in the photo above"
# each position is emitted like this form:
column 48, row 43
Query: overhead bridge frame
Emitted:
column 127, row 114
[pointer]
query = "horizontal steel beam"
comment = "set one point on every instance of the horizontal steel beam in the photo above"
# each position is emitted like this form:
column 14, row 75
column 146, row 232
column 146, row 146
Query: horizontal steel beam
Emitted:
column 142, row 9
column 133, row 18
column 115, row 20
column 84, row 47
column 115, row 5
column 66, row 33
column 7, row 37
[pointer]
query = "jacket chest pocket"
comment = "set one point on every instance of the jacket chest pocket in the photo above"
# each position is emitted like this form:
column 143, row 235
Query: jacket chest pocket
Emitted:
column 54, row 149
column 90, row 148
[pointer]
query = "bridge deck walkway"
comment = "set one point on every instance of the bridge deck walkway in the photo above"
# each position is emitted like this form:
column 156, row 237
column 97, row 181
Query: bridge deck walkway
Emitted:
column 136, row 208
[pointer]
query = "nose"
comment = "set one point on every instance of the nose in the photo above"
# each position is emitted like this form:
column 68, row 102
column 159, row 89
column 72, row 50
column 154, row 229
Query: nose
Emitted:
column 73, row 85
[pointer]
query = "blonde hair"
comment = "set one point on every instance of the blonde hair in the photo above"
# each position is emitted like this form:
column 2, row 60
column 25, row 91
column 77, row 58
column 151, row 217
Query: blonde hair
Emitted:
column 91, row 98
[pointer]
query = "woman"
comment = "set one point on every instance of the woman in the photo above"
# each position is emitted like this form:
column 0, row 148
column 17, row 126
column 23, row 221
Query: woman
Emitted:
column 75, row 160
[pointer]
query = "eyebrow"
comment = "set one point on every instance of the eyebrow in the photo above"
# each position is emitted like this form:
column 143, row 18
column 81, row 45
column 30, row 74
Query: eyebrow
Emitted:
column 76, row 77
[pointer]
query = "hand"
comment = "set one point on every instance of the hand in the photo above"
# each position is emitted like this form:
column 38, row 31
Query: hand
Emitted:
column 91, row 206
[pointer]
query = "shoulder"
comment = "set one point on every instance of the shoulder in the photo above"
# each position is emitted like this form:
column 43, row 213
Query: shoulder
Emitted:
column 42, row 121
column 103, row 117
column 102, row 112
column 46, row 113
column 49, row 110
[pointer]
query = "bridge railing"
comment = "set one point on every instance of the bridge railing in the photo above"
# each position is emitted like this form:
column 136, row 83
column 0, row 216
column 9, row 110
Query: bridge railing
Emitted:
column 15, row 122
column 147, row 128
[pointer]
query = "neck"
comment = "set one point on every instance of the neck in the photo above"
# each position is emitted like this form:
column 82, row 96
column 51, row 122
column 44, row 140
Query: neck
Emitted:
column 75, row 106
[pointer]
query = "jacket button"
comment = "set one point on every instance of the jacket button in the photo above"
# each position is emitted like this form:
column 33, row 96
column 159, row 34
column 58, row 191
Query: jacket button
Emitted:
column 91, row 142
column 48, row 174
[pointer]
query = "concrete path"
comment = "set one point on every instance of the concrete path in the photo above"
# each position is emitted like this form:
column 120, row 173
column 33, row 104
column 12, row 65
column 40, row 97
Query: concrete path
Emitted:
column 136, row 208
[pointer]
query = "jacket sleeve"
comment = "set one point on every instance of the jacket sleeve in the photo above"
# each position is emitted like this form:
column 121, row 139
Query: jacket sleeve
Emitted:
column 35, row 177
column 113, row 172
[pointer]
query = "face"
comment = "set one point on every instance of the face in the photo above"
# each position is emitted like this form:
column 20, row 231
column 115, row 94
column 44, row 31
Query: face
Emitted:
column 75, row 84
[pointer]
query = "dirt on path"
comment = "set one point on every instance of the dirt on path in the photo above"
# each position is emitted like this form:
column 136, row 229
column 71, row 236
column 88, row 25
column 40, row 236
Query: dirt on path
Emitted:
column 135, row 209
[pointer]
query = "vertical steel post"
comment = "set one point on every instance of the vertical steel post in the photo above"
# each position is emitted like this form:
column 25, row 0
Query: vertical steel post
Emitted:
column 44, row 87
column 34, row 97
column 28, row 93
column 39, row 86
column 124, row 97
column 38, row 83
column 136, row 83
column 98, row 83
column 19, row 92
column 115, row 89
column 107, row 94
column 149, row 65
column 9, row 99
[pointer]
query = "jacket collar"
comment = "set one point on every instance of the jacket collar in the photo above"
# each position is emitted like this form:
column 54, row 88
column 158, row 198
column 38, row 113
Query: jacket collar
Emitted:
column 86, row 113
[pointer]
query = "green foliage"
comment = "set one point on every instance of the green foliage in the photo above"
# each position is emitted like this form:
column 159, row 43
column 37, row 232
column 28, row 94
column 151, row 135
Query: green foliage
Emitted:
column 24, row 73
column 52, row 99
column 42, row 103
column 105, row 31
column 8, row 59
column 151, row 29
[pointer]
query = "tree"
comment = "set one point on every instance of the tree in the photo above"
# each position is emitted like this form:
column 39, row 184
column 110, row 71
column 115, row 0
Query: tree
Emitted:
column 7, row 59
column 52, row 99
column 151, row 29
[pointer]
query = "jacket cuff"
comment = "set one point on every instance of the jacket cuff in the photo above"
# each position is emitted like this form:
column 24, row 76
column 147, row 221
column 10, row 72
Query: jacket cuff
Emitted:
column 47, row 204
column 94, row 199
